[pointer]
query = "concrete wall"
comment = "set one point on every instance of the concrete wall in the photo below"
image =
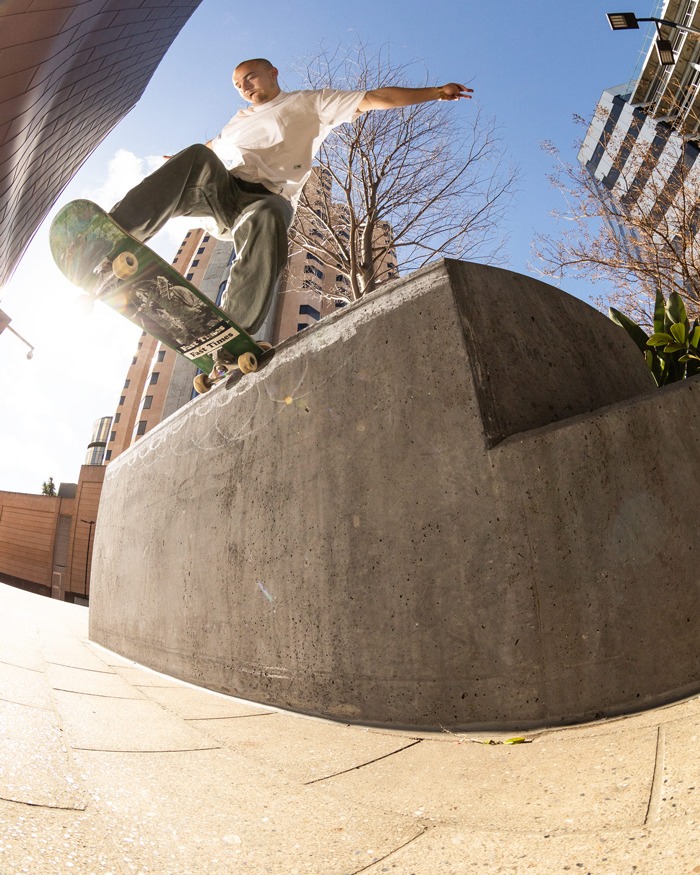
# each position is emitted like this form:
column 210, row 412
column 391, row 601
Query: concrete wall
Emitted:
column 454, row 504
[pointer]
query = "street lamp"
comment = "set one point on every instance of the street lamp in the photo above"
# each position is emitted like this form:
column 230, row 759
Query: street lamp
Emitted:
column 5, row 323
column 623, row 20
column 664, row 48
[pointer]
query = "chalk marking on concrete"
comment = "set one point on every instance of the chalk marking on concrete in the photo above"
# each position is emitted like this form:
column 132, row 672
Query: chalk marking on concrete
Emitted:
column 221, row 432
column 336, row 328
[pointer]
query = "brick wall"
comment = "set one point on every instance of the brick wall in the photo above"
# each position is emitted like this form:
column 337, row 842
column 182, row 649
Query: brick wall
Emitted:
column 27, row 532
column 40, row 535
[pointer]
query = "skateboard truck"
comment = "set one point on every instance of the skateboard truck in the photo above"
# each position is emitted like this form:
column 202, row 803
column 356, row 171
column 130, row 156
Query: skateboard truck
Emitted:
column 224, row 364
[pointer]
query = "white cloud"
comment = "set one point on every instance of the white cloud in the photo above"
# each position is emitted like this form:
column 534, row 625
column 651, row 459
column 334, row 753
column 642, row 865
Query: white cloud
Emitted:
column 124, row 171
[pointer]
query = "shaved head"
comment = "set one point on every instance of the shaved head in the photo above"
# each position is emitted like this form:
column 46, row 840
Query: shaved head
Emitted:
column 256, row 80
column 263, row 62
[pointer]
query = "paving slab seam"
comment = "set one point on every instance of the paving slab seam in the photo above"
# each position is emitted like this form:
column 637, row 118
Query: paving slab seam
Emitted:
column 25, row 704
column 654, row 807
column 79, row 667
column 393, row 851
column 25, row 667
column 365, row 764
column 43, row 806
column 121, row 750
column 99, row 695
column 231, row 717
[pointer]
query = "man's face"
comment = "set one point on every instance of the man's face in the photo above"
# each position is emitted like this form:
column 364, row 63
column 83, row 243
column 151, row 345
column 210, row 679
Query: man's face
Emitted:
column 255, row 82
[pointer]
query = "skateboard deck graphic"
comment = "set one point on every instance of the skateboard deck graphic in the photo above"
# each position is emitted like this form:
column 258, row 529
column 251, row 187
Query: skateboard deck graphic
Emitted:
column 93, row 252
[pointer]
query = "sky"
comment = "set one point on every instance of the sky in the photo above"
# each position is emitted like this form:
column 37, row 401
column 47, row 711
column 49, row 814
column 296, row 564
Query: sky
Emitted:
column 533, row 66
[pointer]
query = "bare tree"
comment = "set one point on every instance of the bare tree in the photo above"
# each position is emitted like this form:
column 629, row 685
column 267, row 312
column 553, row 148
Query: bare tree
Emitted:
column 421, row 181
column 640, row 237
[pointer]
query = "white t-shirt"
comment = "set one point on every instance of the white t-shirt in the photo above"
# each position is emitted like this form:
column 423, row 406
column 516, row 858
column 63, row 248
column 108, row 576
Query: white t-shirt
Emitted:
column 275, row 142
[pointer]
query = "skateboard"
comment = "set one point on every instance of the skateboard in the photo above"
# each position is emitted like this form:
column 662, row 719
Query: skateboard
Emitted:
column 111, row 266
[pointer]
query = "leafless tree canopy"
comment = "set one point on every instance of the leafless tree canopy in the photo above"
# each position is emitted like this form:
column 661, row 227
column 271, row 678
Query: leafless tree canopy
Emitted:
column 421, row 181
column 641, row 238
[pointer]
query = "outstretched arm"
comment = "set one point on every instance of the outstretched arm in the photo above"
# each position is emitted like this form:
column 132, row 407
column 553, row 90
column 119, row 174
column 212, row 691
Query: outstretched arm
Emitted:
column 393, row 96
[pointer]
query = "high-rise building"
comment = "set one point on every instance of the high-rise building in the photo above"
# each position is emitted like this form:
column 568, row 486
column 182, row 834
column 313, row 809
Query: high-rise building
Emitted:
column 70, row 71
column 643, row 142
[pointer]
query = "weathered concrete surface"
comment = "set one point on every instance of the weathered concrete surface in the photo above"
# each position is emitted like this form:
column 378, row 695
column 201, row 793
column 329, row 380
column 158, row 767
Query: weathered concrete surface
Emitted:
column 347, row 533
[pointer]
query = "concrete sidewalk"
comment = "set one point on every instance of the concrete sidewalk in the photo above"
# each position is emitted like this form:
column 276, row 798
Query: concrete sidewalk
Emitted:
column 107, row 767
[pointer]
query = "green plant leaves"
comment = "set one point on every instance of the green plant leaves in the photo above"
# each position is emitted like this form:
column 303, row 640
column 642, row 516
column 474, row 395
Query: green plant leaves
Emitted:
column 672, row 352
column 637, row 334
column 660, row 339
column 679, row 332
column 675, row 309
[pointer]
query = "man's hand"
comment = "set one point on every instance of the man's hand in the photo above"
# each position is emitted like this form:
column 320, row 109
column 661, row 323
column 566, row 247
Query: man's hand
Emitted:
column 392, row 97
column 453, row 91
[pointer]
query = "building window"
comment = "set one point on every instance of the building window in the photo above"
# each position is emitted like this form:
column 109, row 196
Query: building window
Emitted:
column 195, row 263
column 301, row 326
column 135, row 358
column 121, row 400
column 126, row 383
column 147, row 401
column 161, row 355
column 154, row 378
column 308, row 310
column 113, row 435
column 200, row 250
column 117, row 417
column 220, row 293
column 189, row 276
column 141, row 428
column 309, row 268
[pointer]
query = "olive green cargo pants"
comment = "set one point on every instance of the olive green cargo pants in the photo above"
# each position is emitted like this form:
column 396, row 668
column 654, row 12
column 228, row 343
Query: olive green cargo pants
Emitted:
column 195, row 182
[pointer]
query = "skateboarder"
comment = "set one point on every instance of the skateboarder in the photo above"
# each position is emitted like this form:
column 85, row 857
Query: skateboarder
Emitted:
column 249, row 178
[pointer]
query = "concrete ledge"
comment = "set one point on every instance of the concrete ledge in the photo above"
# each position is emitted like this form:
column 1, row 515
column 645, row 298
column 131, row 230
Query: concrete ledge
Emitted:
column 347, row 532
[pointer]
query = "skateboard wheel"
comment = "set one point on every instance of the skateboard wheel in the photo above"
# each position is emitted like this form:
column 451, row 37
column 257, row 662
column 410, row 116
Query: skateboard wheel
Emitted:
column 202, row 384
column 247, row 363
column 125, row 265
